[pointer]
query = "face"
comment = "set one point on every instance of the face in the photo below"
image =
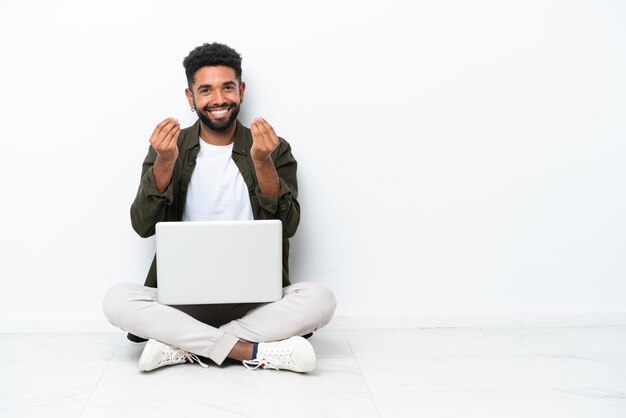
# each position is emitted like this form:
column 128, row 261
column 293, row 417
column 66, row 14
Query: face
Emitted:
column 216, row 94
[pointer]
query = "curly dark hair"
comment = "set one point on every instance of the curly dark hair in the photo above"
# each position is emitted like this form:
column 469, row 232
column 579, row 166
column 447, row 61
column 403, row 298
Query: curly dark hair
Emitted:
column 209, row 55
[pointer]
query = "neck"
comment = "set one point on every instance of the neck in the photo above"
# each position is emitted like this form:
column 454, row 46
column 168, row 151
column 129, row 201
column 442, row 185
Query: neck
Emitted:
column 218, row 137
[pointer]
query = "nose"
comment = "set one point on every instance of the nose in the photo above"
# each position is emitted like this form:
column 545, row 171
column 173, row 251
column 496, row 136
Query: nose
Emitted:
column 218, row 97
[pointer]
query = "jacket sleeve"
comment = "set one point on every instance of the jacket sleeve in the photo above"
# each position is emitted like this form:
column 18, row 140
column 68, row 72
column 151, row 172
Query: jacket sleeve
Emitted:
column 285, row 206
column 149, row 205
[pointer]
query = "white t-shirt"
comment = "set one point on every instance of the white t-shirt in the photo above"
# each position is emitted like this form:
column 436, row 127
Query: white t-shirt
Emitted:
column 217, row 191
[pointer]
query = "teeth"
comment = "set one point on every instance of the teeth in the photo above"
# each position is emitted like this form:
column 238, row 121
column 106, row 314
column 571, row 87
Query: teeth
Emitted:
column 219, row 111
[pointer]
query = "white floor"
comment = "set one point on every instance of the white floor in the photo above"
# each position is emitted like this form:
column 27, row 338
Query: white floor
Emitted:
column 441, row 372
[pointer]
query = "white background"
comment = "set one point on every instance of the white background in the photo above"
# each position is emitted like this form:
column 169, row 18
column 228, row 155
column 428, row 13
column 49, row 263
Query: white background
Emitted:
column 456, row 157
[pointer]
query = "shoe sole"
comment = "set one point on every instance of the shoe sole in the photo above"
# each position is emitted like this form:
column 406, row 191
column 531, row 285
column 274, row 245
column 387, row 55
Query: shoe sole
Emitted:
column 146, row 355
column 307, row 361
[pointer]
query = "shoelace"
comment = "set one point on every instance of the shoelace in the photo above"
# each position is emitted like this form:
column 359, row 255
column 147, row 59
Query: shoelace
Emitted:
column 171, row 355
column 271, row 360
column 192, row 357
column 264, row 363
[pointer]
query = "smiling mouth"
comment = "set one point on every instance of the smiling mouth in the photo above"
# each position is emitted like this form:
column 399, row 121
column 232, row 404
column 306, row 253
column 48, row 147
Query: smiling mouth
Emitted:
column 219, row 112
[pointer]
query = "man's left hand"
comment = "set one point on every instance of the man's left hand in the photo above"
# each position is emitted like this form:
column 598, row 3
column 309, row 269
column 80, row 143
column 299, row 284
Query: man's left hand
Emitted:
column 264, row 140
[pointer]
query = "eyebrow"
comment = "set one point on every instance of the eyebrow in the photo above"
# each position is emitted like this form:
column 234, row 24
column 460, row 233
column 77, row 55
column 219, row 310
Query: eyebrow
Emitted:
column 208, row 86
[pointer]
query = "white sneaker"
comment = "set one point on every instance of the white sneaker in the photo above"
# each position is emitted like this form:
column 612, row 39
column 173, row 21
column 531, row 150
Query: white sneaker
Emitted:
column 295, row 354
column 156, row 354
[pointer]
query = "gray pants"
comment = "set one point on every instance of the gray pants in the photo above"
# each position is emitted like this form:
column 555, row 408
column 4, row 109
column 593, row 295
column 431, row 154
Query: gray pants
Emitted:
column 213, row 330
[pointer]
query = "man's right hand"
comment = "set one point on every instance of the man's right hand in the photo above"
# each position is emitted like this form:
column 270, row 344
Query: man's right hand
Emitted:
column 164, row 140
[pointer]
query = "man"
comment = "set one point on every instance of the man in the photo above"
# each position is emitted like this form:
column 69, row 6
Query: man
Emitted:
column 217, row 169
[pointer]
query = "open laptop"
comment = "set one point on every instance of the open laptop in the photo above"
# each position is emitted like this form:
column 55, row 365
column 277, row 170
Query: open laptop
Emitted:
column 219, row 262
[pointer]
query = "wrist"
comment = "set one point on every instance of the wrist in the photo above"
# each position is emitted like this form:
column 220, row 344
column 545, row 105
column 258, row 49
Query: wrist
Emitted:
column 263, row 162
column 163, row 163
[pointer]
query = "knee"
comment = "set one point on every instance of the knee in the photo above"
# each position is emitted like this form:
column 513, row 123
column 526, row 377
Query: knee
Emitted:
column 115, row 299
column 323, row 302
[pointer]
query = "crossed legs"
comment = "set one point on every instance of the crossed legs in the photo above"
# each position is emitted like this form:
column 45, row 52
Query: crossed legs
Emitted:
column 304, row 308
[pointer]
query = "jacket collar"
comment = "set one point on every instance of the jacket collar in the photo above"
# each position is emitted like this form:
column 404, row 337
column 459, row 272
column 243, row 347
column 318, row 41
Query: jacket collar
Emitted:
column 240, row 143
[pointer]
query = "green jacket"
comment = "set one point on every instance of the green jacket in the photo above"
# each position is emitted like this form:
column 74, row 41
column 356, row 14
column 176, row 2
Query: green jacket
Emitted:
column 151, row 207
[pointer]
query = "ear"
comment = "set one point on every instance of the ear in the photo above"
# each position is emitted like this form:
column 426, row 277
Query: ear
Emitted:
column 242, row 89
column 190, row 98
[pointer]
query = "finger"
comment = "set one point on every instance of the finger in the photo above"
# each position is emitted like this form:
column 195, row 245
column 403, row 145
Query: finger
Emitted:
column 268, row 133
column 157, row 130
column 162, row 137
column 268, row 129
column 156, row 134
column 162, row 125
column 256, row 133
column 258, row 136
column 265, row 124
column 172, row 137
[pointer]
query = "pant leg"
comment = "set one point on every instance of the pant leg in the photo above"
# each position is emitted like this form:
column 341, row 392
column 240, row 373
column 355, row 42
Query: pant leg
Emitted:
column 217, row 314
column 304, row 308
column 135, row 309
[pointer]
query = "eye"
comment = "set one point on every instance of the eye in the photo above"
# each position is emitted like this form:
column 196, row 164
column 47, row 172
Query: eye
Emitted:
column 230, row 87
